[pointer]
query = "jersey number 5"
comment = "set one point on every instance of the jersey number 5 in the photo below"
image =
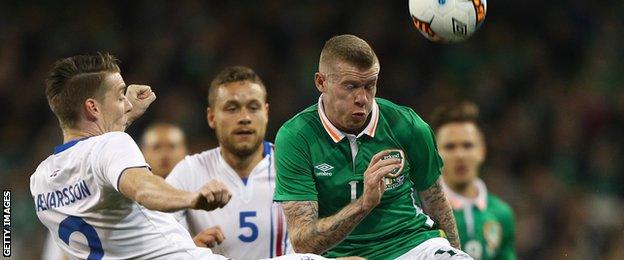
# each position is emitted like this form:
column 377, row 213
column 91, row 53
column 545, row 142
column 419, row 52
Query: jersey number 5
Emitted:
column 73, row 224
column 245, row 223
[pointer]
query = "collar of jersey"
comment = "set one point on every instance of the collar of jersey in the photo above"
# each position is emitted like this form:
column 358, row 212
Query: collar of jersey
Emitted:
column 231, row 173
column 336, row 134
column 458, row 201
column 65, row 146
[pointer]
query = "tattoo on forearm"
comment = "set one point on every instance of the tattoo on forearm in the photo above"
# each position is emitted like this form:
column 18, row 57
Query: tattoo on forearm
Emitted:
column 436, row 205
column 312, row 235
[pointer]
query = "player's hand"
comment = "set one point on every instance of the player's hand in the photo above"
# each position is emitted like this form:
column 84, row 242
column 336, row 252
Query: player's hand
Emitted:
column 209, row 237
column 211, row 196
column 374, row 186
column 140, row 96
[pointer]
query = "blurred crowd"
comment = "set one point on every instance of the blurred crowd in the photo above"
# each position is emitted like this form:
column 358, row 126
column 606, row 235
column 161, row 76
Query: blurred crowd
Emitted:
column 547, row 76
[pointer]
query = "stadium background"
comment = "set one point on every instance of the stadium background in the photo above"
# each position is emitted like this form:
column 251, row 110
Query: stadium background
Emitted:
column 547, row 75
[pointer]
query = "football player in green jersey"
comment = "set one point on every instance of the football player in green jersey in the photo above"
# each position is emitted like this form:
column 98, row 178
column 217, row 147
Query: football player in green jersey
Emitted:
column 485, row 222
column 349, row 167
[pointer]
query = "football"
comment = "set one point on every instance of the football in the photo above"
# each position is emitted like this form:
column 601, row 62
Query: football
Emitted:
column 447, row 21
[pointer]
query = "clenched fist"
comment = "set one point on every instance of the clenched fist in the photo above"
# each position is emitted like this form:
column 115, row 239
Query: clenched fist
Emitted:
column 140, row 96
column 211, row 196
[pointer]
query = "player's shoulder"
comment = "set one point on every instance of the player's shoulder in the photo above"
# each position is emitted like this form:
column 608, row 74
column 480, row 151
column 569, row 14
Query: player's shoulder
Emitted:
column 398, row 116
column 203, row 158
column 198, row 163
column 115, row 136
column 303, row 122
column 39, row 174
column 499, row 206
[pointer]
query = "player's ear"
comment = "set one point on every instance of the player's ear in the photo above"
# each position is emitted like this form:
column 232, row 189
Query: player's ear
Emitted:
column 210, row 117
column 482, row 146
column 91, row 109
column 319, row 81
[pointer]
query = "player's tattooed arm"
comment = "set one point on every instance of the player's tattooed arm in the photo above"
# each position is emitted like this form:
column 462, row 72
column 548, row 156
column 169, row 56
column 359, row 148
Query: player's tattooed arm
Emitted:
column 309, row 234
column 437, row 206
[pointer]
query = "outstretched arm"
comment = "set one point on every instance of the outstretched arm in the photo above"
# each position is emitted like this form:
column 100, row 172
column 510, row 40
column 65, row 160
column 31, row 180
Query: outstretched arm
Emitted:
column 154, row 193
column 436, row 206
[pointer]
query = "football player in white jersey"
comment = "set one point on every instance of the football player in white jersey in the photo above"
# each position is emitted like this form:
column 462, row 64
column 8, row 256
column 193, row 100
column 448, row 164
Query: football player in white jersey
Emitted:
column 250, row 226
column 95, row 193
column 163, row 146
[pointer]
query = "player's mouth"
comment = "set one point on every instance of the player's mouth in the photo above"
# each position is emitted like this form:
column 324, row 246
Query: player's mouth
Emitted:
column 358, row 115
column 244, row 132
column 461, row 170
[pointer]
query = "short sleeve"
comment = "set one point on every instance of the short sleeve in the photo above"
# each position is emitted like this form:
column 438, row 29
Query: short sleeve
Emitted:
column 117, row 154
column 176, row 179
column 423, row 153
column 508, row 248
column 293, row 180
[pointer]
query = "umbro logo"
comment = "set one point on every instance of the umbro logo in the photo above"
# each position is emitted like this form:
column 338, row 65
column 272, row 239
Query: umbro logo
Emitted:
column 324, row 168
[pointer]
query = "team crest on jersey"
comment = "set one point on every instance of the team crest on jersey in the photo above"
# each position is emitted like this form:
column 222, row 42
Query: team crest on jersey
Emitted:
column 324, row 170
column 392, row 183
column 492, row 233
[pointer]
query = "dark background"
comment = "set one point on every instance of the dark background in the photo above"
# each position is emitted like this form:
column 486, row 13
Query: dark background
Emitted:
column 547, row 75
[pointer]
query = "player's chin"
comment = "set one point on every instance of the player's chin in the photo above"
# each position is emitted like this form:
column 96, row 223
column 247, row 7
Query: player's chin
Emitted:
column 245, row 148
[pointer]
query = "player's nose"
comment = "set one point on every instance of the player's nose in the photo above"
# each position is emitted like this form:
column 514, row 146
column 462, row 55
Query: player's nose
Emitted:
column 361, row 99
column 128, row 105
column 245, row 118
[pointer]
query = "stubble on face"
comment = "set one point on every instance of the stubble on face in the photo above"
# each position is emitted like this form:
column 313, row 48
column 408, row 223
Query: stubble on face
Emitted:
column 349, row 95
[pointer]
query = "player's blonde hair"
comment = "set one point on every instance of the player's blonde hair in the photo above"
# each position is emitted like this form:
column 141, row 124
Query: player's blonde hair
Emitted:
column 73, row 80
column 349, row 48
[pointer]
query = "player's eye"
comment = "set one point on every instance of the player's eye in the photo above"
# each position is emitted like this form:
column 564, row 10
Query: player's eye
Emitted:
column 449, row 146
column 350, row 86
column 468, row 145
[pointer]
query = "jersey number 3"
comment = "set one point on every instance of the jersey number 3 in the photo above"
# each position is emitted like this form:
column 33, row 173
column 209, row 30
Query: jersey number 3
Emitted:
column 73, row 224
column 245, row 223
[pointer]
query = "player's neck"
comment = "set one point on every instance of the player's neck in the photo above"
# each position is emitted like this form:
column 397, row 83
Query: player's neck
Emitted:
column 467, row 190
column 345, row 130
column 80, row 132
column 242, row 165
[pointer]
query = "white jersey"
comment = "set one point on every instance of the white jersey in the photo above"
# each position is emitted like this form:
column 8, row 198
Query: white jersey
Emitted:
column 254, row 227
column 50, row 249
column 76, row 197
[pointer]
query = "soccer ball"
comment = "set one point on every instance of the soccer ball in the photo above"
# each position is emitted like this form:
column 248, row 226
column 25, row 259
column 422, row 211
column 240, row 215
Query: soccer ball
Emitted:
column 447, row 20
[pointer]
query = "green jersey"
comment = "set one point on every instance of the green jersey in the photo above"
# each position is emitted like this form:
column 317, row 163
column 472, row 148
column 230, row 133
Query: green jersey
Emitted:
column 317, row 162
column 485, row 224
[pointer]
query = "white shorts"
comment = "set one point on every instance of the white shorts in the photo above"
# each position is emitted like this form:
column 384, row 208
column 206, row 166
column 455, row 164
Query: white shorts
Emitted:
column 435, row 248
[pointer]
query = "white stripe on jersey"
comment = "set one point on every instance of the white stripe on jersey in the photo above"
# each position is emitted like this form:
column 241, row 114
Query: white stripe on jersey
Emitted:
column 76, row 198
column 254, row 227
